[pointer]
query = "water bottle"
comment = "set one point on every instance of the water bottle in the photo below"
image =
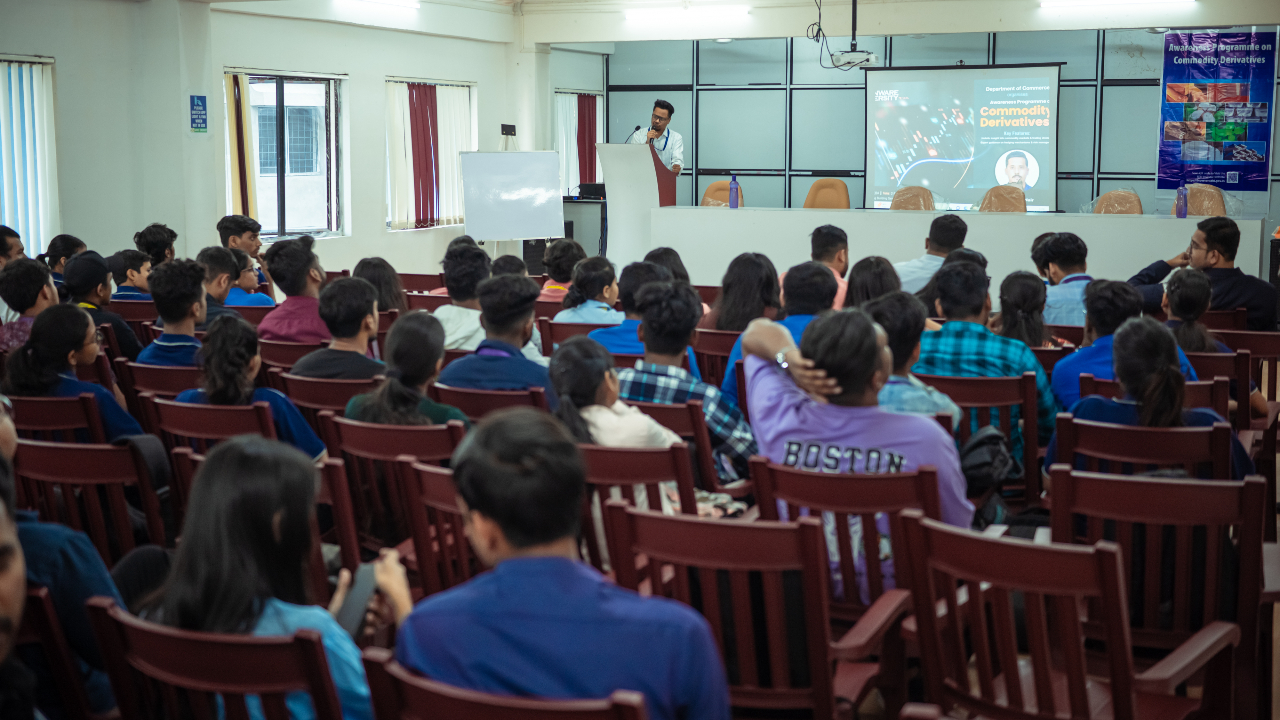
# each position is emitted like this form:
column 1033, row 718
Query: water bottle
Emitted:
column 733, row 192
column 1180, row 205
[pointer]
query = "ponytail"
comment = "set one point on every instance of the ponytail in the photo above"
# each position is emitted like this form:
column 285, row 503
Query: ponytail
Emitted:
column 1160, row 404
column 568, row 413
column 395, row 403
column 1022, row 298
column 591, row 277
column 574, row 298
column 415, row 344
column 33, row 369
column 229, row 348
column 1146, row 364
column 1189, row 293
column 578, row 368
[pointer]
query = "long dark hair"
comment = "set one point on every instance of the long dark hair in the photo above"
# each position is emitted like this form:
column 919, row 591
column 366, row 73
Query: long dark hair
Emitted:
column 749, row 288
column 415, row 344
column 669, row 259
column 1189, row 293
column 869, row 278
column 929, row 293
column 578, row 367
column 33, row 368
column 1146, row 362
column 229, row 562
column 60, row 248
column 590, row 278
column 229, row 348
column 385, row 280
column 1022, row 308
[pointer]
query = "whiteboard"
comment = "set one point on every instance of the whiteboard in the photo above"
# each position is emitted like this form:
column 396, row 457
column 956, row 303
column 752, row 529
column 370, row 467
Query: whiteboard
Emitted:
column 512, row 195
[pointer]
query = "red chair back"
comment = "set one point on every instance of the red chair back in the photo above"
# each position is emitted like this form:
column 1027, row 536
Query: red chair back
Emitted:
column 1073, row 334
column 41, row 627
column 159, row 381
column 426, row 282
column 1235, row 367
column 554, row 333
column 688, row 421
column 1237, row 319
column 253, row 314
column 401, row 695
column 157, row 670
column 72, row 419
column 109, row 345
column 331, row 275
column 1213, row 394
column 98, row 372
column 386, row 319
column 285, row 355
column 312, row 395
column 451, row 355
column 441, row 553
column 740, row 369
column 711, row 348
column 475, row 404
column 708, row 293
column 1200, row 451
column 626, row 360
column 83, row 487
column 1049, row 357
column 547, row 308
column 200, row 427
column 1264, row 353
column 430, row 303
column 136, row 312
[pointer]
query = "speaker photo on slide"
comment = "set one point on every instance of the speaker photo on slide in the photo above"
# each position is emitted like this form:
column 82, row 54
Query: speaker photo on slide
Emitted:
column 1017, row 168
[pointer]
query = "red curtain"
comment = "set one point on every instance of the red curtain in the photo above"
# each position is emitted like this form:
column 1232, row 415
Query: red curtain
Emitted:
column 426, row 166
column 586, row 138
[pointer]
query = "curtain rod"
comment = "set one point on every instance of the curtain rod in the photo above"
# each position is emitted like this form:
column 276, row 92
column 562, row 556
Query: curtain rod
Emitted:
column 571, row 91
column 34, row 59
column 427, row 81
column 285, row 73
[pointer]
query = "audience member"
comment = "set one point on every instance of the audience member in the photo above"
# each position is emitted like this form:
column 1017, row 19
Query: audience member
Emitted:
column 177, row 287
column 521, row 485
column 585, row 380
column 10, row 249
column 244, row 291
column 26, row 286
column 296, row 270
column 1037, row 257
column 349, row 308
column 63, row 337
column 17, row 684
column 130, row 269
column 830, row 247
column 386, row 281
column 870, row 278
column 670, row 259
column 221, row 271
column 624, row 339
column 808, row 289
column 846, row 357
column 156, row 240
column 750, row 289
column 1022, row 308
column 88, row 282
column 964, row 347
column 1108, row 303
column 453, row 244
column 61, row 248
column 1146, row 363
column 251, row 542
column 415, row 353
column 510, row 265
column 1063, row 255
column 929, row 293
column 902, row 317
column 465, row 267
column 231, row 363
column 946, row 234
column 560, row 258
column 592, row 294
column 1213, row 250
column 506, row 311
column 670, row 313
column 240, row 232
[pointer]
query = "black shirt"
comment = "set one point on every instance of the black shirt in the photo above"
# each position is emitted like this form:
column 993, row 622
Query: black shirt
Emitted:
column 329, row 364
column 129, row 345
column 1231, row 289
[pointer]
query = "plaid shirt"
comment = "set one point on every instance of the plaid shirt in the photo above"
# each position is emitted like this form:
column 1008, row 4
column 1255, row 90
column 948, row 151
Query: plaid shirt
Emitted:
column 730, row 434
column 965, row 349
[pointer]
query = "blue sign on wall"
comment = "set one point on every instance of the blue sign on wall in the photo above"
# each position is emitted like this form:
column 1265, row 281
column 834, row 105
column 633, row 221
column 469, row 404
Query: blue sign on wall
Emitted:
column 199, row 114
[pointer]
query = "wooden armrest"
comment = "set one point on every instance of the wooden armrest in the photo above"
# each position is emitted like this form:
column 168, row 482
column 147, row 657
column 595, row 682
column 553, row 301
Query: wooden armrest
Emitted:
column 910, row 631
column 1044, row 536
column 1187, row 659
column 920, row 711
column 995, row 531
column 864, row 638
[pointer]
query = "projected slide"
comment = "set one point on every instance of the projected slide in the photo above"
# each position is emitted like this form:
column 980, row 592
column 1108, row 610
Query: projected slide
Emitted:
column 959, row 132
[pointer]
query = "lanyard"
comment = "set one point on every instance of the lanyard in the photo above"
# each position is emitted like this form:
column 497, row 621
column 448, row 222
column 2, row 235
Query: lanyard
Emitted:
column 1077, row 278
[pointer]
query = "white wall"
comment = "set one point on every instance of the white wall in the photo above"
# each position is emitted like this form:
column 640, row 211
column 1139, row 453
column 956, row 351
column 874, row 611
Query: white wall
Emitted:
column 576, row 70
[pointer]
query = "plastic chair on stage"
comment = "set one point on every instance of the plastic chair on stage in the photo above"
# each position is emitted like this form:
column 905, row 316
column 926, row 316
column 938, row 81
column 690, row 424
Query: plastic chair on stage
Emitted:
column 1004, row 198
column 717, row 195
column 1118, row 202
column 1204, row 200
column 828, row 193
column 912, row 197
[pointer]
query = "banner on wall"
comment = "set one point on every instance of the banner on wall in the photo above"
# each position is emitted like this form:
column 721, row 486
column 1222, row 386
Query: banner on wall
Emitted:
column 1215, row 117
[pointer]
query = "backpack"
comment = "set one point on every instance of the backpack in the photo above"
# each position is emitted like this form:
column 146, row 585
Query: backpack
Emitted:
column 986, row 461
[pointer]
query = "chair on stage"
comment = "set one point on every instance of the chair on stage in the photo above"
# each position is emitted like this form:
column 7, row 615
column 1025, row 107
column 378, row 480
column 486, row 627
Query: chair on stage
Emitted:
column 1118, row 202
column 1203, row 200
column 717, row 195
column 912, row 197
column 830, row 193
column 1004, row 198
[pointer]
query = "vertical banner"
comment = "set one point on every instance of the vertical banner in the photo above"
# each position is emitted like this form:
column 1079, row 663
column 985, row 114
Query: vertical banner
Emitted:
column 1215, row 118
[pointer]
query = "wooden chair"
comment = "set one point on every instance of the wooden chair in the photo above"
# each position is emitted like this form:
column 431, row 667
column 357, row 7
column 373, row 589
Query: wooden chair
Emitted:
column 475, row 404
column 40, row 627
column 622, row 360
column 399, row 694
column 253, row 314
column 1235, row 367
column 200, row 427
column 740, row 369
column 972, row 579
column 1226, row 517
column 285, row 355
column 849, row 498
column 712, row 565
column 1004, row 198
column 711, row 348
column 110, row 344
column 98, row 372
column 829, row 193
column 1201, row 451
column 1213, row 394
column 437, row 548
column 1049, row 357
column 554, row 333
column 1237, row 319
column 451, row 355
column 313, row 395
column 991, row 402
column 386, row 319
column 1264, row 354
column 688, row 421
column 331, row 275
column 424, row 282
column 912, row 197
column 159, row 381
column 430, row 303
column 717, row 195
column 83, row 487
column 136, row 312
column 72, row 419
column 158, row 671
column 547, row 308
column 708, row 293
column 1073, row 334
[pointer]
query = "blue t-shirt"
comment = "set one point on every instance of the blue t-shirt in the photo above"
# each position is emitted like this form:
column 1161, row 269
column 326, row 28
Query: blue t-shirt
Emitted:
column 1094, row 360
column 498, row 366
column 624, row 340
column 345, row 666
column 171, row 351
column 129, row 292
column 116, row 421
column 556, row 628
column 729, row 386
column 240, row 298
column 291, row 427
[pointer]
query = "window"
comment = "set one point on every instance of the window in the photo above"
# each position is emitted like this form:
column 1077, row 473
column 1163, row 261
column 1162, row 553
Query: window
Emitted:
column 429, row 125
column 28, row 166
column 304, row 198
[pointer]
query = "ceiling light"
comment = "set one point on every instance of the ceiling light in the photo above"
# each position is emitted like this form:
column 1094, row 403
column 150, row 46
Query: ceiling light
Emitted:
column 1086, row 3
column 397, row 3
column 719, row 13
column 724, row 40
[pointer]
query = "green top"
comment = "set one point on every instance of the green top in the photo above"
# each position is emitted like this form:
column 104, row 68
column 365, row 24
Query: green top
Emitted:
column 437, row 413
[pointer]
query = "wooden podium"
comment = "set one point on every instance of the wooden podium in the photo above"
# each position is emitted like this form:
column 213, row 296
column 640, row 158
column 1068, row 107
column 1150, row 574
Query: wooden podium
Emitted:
column 666, row 180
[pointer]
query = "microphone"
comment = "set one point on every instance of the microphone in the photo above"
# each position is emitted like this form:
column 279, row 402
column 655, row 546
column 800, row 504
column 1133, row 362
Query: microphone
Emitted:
column 633, row 132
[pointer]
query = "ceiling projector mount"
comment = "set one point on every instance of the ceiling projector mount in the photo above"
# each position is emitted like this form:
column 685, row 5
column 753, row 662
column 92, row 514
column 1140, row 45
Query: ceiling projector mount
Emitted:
column 853, row 58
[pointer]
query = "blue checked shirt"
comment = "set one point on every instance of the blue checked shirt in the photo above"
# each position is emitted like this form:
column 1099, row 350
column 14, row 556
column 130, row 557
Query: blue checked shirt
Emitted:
column 965, row 349
column 731, row 436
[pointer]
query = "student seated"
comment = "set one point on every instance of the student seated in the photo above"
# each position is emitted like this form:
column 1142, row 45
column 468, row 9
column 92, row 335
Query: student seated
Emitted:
column 349, row 308
column 296, row 270
column 63, row 337
column 929, row 293
column 241, row 233
column 592, row 295
column 870, row 278
column 17, row 685
column 1063, row 255
column 964, row 347
column 415, row 353
column 901, row 315
column 241, row 567
column 670, row 312
column 946, row 235
column 510, row 265
column 807, row 289
column 831, row 249
column 10, row 249
column 506, row 312
column 220, row 271
column 521, row 484
column 560, row 258
column 1108, row 303
column 61, row 248
column 453, row 244
column 156, row 241
column 177, row 287
column 624, row 339
column 1022, row 307
column 465, row 267
column 26, row 286
column 385, row 280
column 244, row 291
column 130, row 268
column 231, row 363
column 845, row 357
column 1146, row 362
column 88, row 282
column 669, row 258
column 749, row 289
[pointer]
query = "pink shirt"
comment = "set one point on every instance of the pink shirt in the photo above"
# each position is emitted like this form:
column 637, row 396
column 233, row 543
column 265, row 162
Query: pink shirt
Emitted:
column 554, row 290
column 14, row 335
column 296, row 320
column 842, row 287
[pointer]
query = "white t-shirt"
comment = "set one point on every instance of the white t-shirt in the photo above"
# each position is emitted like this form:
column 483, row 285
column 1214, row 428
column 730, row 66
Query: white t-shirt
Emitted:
column 670, row 145
column 463, row 331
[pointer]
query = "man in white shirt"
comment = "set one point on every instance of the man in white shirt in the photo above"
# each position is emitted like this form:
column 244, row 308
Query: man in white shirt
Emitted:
column 668, row 142
column 465, row 266
column 945, row 234
column 10, row 249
